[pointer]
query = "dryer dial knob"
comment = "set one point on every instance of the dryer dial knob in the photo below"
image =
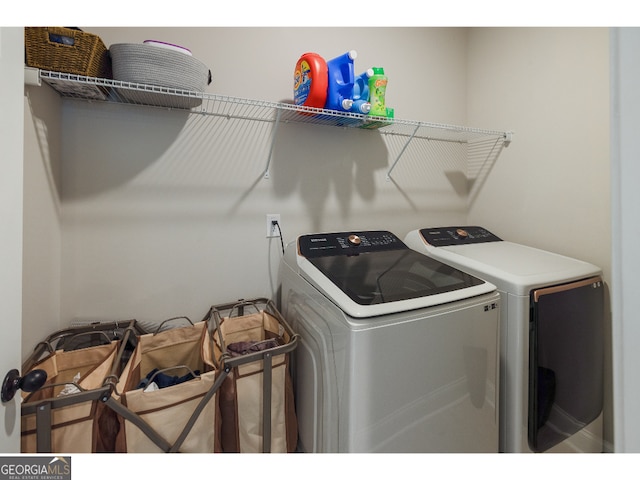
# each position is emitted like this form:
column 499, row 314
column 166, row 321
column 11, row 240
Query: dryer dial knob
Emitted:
column 354, row 240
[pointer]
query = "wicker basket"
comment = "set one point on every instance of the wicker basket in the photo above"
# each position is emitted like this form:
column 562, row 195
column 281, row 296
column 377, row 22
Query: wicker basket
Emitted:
column 66, row 50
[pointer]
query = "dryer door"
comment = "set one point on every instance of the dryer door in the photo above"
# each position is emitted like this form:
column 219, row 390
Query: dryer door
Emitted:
column 566, row 354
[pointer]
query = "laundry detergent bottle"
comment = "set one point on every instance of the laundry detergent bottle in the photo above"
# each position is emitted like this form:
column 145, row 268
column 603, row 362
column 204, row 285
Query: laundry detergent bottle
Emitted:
column 361, row 102
column 377, row 92
column 310, row 81
column 341, row 78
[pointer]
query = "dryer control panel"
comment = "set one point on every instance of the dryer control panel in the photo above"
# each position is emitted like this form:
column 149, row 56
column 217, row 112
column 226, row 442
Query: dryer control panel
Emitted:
column 347, row 243
column 446, row 236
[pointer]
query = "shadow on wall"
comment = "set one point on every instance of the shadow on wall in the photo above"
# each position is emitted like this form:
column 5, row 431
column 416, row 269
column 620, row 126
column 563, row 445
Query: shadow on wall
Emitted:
column 120, row 147
column 46, row 125
column 317, row 163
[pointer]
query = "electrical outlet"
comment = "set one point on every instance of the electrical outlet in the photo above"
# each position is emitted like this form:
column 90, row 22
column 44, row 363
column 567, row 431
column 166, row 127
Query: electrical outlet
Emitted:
column 272, row 229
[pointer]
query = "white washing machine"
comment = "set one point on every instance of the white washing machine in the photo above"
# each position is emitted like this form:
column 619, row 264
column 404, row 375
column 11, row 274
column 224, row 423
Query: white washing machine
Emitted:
column 552, row 327
column 397, row 352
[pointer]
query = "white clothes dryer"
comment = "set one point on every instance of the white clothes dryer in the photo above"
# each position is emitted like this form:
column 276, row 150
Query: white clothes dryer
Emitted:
column 397, row 352
column 552, row 328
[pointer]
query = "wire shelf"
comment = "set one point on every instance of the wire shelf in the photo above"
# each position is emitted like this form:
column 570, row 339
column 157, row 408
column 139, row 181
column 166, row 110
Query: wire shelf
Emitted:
column 403, row 131
column 100, row 89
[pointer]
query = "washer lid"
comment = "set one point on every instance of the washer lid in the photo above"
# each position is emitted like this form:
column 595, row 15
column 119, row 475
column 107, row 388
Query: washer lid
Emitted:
column 374, row 273
column 510, row 266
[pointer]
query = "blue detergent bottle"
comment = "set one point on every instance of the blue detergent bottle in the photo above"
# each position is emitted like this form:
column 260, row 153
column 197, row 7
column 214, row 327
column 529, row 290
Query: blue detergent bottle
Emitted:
column 341, row 80
column 361, row 102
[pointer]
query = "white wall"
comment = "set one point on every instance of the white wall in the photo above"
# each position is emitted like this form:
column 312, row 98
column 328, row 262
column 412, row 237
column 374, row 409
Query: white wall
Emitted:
column 550, row 188
column 42, row 231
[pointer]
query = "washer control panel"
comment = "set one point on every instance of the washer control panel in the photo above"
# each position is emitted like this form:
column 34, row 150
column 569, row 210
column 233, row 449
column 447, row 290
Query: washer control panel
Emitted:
column 347, row 243
column 446, row 236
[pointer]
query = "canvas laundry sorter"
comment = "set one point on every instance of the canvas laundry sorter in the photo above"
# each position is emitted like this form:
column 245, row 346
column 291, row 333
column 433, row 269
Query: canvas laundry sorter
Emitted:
column 165, row 400
column 109, row 407
column 254, row 342
column 63, row 415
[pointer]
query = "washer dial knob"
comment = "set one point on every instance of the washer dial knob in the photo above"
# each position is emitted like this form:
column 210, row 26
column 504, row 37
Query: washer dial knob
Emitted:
column 354, row 240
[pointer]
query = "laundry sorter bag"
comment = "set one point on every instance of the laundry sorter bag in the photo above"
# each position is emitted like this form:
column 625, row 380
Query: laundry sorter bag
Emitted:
column 181, row 414
column 64, row 415
column 253, row 341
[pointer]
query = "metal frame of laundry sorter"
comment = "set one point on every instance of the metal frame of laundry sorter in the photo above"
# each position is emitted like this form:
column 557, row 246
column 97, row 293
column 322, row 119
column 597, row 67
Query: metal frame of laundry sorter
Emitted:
column 43, row 409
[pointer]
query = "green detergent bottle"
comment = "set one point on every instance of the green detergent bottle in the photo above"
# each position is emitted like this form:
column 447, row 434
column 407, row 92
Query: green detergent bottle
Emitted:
column 377, row 91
